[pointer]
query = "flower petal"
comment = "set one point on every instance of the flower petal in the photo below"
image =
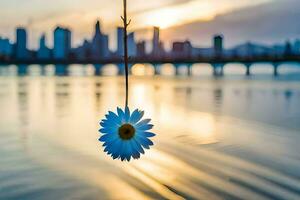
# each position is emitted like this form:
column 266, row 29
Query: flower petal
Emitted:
column 122, row 152
column 143, row 122
column 127, row 114
column 114, row 117
column 135, row 152
column 144, row 127
column 136, row 145
column 108, row 137
column 128, row 151
column 108, row 123
column 145, row 142
column 109, row 130
column 121, row 114
column 136, row 116
column 117, row 148
column 146, row 134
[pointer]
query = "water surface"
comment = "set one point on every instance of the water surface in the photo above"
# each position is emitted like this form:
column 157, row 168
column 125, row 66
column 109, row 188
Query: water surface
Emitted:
column 225, row 138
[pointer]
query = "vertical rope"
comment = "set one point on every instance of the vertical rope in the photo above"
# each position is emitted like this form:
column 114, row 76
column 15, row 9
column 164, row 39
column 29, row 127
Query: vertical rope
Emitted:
column 124, row 18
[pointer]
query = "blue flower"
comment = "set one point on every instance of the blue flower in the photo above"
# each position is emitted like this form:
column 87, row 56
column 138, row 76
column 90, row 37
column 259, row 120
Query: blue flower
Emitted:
column 125, row 135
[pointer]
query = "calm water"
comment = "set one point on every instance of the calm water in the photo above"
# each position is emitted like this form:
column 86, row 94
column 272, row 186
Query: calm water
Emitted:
column 224, row 138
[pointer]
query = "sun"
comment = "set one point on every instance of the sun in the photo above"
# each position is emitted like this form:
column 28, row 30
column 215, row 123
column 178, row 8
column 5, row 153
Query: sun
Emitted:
column 163, row 18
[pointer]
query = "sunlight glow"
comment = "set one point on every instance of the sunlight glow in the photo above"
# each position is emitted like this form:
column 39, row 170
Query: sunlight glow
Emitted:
column 142, row 70
column 162, row 18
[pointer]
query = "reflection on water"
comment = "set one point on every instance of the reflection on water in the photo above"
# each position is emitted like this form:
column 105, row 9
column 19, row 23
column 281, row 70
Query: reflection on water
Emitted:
column 216, row 139
column 287, row 71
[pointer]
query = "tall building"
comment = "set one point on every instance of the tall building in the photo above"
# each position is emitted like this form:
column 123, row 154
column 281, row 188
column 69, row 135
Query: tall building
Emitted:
column 21, row 51
column 100, row 41
column 288, row 49
column 182, row 49
column 161, row 49
column 131, row 45
column 155, row 43
column 43, row 51
column 296, row 47
column 105, row 45
column 218, row 45
column 120, row 38
column 141, row 49
column 5, row 47
column 83, row 52
column 62, row 43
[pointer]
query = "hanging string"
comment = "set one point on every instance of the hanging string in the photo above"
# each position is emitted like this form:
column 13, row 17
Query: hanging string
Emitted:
column 126, row 24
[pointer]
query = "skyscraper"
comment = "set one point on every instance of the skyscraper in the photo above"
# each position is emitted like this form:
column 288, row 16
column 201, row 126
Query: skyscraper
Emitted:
column 141, row 49
column 21, row 51
column 288, row 49
column 62, row 43
column 120, row 38
column 5, row 47
column 43, row 51
column 182, row 49
column 155, row 43
column 100, row 41
column 131, row 45
column 218, row 45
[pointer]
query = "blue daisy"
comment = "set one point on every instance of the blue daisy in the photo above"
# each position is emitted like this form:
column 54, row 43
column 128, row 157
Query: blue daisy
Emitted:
column 125, row 135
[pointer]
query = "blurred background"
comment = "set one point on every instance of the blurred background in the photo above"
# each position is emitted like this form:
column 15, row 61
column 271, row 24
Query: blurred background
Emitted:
column 220, row 79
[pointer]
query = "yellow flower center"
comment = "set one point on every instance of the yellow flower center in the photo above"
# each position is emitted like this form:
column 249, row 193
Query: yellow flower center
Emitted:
column 126, row 131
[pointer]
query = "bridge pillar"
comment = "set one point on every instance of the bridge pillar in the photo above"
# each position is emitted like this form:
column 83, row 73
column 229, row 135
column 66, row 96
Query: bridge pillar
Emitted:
column 189, row 70
column 218, row 69
column 222, row 70
column 98, row 69
column 121, row 69
column 22, row 70
column 43, row 70
column 177, row 69
column 215, row 71
column 248, row 66
column 275, row 67
column 130, row 65
column 156, row 69
column 61, row 70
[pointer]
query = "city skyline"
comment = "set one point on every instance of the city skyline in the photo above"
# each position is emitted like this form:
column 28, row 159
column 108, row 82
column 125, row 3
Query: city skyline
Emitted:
column 235, row 20
column 97, row 48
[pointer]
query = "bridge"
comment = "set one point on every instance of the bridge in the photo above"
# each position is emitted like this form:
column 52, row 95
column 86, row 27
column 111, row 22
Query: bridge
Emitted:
column 217, row 64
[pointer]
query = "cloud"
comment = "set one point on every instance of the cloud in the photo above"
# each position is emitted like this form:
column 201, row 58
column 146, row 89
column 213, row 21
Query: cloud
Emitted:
column 268, row 23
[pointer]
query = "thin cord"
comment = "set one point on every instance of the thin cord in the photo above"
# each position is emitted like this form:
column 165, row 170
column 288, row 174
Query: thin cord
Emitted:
column 124, row 18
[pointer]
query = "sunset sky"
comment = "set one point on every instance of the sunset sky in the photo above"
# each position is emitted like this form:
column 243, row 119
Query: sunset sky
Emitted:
column 80, row 15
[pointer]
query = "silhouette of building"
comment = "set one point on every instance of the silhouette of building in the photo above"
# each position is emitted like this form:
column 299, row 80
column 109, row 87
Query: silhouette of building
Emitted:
column 296, row 47
column 277, row 50
column 131, row 45
column 288, row 49
column 62, row 43
column 251, row 50
column 98, row 48
column 155, row 42
column 106, row 52
column 99, row 44
column 182, row 49
column 218, row 45
column 141, row 49
column 120, row 41
column 6, row 48
column 21, row 51
column 83, row 52
column 203, row 52
column 43, row 52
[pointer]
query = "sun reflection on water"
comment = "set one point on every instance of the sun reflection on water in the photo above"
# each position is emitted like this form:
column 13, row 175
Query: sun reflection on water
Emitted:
column 200, row 155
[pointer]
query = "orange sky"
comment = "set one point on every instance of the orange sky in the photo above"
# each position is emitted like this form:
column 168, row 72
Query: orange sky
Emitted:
column 42, row 16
